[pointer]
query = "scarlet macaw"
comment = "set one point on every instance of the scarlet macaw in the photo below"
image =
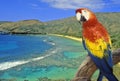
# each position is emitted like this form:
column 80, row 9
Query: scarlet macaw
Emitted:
column 96, row 41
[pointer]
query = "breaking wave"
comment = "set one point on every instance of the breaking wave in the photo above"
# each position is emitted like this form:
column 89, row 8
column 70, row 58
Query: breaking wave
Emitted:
column 8, row 65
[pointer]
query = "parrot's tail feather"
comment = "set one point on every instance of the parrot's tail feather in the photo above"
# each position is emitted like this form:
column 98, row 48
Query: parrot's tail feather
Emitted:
column 111, row 77
column 100, row 76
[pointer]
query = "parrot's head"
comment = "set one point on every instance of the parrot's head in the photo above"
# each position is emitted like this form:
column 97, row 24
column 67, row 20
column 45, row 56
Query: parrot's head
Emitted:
column 84, row 15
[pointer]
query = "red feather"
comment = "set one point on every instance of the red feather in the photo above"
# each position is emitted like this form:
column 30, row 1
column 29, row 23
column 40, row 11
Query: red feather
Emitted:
column 92, row 29
column 95, row 31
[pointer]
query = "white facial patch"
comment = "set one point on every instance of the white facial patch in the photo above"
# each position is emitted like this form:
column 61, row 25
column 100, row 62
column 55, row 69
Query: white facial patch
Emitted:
column 85, row 14
column 78, row 16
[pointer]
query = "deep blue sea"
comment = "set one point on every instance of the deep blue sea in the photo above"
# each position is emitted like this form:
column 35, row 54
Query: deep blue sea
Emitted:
column 33, row 57
column 13, row 47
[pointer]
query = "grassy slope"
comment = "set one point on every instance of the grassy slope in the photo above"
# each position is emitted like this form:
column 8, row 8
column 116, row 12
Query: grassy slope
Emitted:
column 31, row 26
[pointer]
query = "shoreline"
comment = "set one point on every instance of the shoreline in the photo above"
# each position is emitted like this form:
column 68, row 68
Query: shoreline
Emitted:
column 69, row 37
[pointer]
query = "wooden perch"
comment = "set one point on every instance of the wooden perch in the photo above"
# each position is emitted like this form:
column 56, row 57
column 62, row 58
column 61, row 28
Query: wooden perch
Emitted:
column 87, row 68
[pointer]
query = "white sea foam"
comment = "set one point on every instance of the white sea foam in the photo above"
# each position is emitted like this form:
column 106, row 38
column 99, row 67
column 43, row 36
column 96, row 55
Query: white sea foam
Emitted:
column 50, row 42
column 39, row 58
column 8, row 65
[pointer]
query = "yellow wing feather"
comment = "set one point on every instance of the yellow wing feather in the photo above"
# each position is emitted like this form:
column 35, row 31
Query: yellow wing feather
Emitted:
column 98, row 47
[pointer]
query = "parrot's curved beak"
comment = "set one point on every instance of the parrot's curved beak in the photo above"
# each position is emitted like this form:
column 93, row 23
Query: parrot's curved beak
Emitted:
column 82, row 18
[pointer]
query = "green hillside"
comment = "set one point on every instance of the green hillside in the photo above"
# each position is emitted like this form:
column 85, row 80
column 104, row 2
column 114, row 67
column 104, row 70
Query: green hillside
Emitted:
column 25, row 27
column 67, row 26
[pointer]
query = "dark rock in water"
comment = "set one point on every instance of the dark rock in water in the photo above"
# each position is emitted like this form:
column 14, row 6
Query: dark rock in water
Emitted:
column 26, row 80
column 3, row 80
column 44, row 79
column 47, row 79
column 13, row 79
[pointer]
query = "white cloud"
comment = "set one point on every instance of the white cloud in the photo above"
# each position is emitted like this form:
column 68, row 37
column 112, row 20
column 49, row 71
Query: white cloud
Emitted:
column 73, row 4
column 96, row 5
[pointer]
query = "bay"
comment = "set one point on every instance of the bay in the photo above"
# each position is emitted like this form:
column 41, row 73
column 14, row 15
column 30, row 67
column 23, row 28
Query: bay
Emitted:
column 34, row 58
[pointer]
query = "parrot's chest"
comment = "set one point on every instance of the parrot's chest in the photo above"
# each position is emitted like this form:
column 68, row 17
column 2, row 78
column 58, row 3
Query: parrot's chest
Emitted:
column 92, row 34
column 94, row 41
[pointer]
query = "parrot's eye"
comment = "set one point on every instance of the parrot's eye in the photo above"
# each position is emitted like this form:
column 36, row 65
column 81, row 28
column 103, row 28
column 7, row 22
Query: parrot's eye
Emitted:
column 84, row 11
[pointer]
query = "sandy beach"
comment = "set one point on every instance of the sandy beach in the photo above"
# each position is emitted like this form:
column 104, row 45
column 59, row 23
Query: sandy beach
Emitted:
column 70, row 37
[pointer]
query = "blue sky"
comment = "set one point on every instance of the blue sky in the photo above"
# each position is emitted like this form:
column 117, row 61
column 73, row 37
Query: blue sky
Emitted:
column 46, row 10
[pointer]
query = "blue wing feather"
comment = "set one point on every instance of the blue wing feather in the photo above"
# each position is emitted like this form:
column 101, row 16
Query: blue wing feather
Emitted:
column 83, row 42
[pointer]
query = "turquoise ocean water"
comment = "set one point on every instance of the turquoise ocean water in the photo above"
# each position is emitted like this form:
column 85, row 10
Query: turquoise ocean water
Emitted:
column 33, row 58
